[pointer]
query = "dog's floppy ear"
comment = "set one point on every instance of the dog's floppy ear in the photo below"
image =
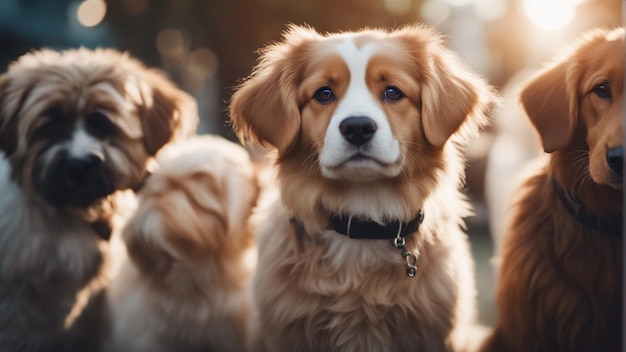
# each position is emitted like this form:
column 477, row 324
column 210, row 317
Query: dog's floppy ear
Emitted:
column 166, row 112
column 143, row 241
column 8, row 117
column 264, row 109
column 453, row 97
column 550, row 101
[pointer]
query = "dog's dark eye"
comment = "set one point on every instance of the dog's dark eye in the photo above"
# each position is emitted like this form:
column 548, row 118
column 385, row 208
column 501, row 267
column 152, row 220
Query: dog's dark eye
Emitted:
column 603, row 90
column 54, row 113
column 56, row 125
column 99, row 125
column 324, row 95
column 393, row 94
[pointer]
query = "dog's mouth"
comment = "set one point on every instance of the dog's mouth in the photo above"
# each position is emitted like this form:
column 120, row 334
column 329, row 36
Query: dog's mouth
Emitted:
column 361, row 158
column 360, row 166
column 615, row 161
column 75, row 182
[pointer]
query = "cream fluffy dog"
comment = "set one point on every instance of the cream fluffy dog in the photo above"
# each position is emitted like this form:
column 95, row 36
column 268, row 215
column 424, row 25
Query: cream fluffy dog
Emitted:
column 363, row 250
column 77, row 128
column 186, row 285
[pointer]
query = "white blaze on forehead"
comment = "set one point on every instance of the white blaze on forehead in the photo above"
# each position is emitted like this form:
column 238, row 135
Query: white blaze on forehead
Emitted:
column 358, row 101
column 82, row 144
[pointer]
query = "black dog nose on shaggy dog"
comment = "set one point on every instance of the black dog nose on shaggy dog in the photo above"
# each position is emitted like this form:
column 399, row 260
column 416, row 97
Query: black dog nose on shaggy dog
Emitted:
column 615, row 159
column 79, row 171
column 357, row 130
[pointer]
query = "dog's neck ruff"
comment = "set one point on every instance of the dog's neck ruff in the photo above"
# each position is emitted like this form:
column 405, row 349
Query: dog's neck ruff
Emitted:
column 612, row 227
column 366, row 229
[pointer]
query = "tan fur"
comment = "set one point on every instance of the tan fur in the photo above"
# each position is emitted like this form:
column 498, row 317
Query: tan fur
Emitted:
column 186, row 285
column 316, row 290
column 50, row 248
column 560, row 285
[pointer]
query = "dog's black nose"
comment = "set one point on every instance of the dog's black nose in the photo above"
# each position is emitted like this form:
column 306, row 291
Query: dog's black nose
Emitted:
column 79, row 171
column 615, row 159
column 357, row 130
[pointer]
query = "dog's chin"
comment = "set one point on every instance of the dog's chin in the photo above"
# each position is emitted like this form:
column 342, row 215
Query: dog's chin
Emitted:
column 59, row 191
column 617, row 184
column 81, row 198
column 614, row 182
column 361, row 170
column 606, row 177
column 61, row 196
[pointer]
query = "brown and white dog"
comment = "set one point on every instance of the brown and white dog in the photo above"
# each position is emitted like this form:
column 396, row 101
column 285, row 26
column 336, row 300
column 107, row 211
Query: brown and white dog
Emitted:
column 363, row 250
column 186, row 285
column 560, row 283
column 77, row 129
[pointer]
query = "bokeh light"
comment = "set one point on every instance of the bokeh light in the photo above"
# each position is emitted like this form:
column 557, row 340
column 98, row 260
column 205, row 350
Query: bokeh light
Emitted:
column 201, row 66
column 458, row 3
column 435, row 12
column 550, row 15
column 490, row 10
column 398, row 7
column 91, row 12
column 173, row 45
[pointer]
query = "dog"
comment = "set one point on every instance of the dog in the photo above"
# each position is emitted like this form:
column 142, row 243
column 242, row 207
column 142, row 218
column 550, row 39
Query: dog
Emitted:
column 560, row 287
column 362, row 249
column 77, row 131
column 186, row 285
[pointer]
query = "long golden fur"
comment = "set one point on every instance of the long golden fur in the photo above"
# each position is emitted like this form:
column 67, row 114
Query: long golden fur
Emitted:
column 316, row 290
column 560, row 284
column 186, row 285
column 77, row 131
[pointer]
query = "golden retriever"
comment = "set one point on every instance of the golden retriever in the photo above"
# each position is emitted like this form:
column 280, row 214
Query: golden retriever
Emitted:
column 560, row 284
column 186, row 285
column 78, row 129
column 363, row 248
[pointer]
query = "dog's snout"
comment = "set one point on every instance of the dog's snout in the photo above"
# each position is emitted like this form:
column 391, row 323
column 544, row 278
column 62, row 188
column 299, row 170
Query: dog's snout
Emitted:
column 79, row 171
column 357, row 130
column 615, row 159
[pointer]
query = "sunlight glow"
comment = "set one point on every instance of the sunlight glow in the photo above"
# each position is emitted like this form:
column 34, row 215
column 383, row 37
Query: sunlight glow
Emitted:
column 550, row 15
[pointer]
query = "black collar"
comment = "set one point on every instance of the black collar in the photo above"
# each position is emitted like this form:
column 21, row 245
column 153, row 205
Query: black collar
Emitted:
column 143, row 181
column 367, row 229
column 609, row 226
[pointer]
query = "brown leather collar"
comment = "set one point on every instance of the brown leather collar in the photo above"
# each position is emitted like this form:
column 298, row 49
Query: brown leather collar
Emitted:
column 612, row 227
